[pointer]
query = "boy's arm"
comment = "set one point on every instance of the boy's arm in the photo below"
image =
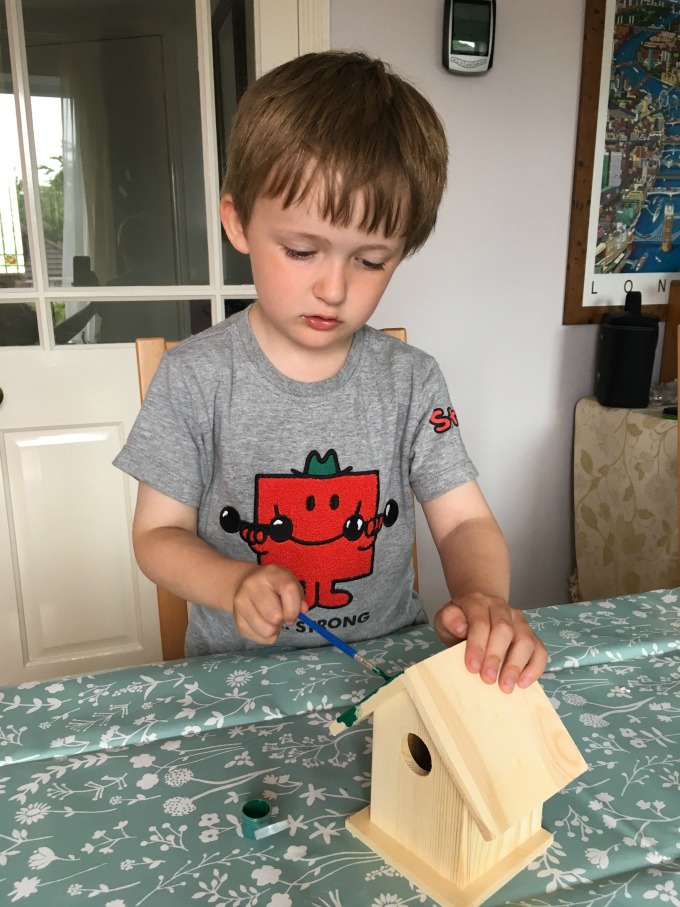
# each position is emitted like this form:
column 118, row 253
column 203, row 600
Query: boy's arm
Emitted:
column 475, row 561
column 171, row 554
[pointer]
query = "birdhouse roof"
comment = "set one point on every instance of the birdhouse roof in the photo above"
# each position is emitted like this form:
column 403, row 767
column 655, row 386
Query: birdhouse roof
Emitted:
column 507, row 753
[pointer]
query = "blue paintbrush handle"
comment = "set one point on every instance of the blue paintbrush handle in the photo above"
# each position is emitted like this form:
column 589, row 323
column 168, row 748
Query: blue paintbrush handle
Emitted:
column 342, row 645
column 327, row 635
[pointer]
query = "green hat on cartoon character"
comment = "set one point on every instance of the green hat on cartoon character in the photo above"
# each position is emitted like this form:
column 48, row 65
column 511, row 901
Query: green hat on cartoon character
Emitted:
column 318, row 467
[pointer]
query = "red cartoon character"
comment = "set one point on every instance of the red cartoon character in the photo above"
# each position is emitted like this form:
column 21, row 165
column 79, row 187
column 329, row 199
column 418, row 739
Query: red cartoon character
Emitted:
column 321, row 524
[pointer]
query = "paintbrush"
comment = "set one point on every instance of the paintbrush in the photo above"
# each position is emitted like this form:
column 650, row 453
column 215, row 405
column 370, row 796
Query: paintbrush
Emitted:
column 342, row 646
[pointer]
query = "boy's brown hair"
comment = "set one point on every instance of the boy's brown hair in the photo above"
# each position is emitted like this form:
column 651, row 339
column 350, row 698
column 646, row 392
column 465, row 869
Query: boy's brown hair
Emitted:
column 346, row 124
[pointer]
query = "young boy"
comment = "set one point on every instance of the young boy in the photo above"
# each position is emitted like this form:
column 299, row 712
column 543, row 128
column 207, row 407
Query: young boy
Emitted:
column 278, row 452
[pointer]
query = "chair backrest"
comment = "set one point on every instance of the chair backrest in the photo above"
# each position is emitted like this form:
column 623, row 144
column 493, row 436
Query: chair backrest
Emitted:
column 173, row 614
column 149, row 354
column 399, row 333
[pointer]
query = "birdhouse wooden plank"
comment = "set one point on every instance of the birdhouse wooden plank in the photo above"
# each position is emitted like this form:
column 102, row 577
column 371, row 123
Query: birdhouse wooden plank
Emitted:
column 460, row 774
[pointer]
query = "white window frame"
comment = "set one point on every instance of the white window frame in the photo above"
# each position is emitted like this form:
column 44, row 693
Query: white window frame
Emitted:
column 283, row 29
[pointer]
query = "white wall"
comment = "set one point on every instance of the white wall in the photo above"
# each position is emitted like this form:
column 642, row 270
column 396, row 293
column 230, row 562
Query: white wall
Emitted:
column 485, row 295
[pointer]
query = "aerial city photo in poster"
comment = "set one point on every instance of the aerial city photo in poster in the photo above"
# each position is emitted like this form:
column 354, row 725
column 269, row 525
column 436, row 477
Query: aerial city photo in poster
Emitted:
column 634, row 231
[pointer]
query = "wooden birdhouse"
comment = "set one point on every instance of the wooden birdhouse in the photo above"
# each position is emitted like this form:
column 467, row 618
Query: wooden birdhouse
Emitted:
column 460, row 774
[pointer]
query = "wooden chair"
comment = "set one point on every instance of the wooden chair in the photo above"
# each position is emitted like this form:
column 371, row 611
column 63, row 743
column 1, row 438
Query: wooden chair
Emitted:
column 173, row 613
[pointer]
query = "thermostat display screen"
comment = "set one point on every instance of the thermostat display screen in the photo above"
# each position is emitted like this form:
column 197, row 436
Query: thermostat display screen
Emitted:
column 470, row 29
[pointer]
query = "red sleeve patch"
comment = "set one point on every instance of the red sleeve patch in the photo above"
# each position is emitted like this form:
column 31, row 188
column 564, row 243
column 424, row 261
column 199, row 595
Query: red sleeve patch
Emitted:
column 443, row 421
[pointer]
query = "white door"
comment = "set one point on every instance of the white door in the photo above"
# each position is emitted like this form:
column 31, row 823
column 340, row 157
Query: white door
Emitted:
column 72, row 598
column 110, row 127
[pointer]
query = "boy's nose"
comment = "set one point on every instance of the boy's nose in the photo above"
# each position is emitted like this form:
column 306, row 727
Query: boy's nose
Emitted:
column 331, row 284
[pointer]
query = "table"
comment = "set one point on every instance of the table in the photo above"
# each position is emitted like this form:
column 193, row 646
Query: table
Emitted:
column 125, row 787
column 625, row 499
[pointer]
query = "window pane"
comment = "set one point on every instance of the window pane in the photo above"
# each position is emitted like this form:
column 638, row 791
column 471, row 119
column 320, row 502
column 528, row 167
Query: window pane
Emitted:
column 116, row 118
column 231, row 306
column 14, row 259
column 18, row 324
column 234, row 70
column 125, row 321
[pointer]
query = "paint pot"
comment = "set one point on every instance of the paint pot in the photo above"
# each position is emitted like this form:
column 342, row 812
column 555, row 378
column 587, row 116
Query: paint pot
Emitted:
column 255, row 820
column 255, row 814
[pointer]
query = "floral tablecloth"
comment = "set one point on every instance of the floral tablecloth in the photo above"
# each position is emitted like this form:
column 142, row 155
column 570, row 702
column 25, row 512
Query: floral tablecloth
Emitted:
column 124, row 788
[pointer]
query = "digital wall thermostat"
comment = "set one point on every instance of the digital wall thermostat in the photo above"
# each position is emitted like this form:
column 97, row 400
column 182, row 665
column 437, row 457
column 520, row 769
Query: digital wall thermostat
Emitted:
column 469, row 29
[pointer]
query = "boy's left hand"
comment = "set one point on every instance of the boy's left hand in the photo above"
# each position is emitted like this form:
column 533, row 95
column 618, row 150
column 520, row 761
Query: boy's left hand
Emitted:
column 500, row 643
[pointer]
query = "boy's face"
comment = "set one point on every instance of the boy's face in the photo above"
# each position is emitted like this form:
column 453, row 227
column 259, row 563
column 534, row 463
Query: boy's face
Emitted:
column 317, row 283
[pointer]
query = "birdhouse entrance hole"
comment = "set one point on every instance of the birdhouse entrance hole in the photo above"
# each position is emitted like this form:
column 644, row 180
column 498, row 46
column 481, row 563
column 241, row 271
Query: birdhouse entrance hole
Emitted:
column 416, row 754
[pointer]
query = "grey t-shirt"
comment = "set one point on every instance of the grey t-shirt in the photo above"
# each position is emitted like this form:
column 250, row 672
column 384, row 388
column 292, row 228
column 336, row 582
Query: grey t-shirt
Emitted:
column 318, row 477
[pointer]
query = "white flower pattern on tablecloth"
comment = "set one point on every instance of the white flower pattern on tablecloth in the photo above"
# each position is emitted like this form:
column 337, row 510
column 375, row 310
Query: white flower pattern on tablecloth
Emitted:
column 147, row 770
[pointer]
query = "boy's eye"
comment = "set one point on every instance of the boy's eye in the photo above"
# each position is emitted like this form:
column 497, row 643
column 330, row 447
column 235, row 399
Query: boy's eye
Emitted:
column 373, row 265
column 297, row 254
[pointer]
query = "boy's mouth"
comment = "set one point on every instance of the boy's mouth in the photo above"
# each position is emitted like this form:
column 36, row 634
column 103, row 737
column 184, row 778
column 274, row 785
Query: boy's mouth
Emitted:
column 321, row 323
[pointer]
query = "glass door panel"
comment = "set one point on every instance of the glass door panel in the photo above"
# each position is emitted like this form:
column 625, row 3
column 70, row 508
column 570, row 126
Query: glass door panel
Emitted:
column 116, row 117
column 231, row 306
column 233, row 59
column 18, row 324
column 123, row 321
column 14, row 257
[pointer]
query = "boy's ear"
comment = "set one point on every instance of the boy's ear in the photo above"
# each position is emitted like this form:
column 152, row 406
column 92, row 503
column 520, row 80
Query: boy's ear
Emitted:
column 232, row 225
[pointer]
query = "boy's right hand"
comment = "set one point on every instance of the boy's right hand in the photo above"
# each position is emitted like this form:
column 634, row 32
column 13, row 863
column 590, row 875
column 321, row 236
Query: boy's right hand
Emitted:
column 265, row 600
column 169, row 551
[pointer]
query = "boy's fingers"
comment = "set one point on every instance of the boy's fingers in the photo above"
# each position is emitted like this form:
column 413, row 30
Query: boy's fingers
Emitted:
column 252, row 626
column 451, row 624
column 480, row 616
column 501, row 646
column 495, row 630
column 292, row 600
column 517, row 658
column 257, row 614
column 525, row 659
column 268, row 598
column 261, row 618
column 498, row 641
column 535, row 666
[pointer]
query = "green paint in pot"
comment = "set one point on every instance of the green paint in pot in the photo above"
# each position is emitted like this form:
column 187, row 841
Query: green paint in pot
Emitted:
column 254, row 815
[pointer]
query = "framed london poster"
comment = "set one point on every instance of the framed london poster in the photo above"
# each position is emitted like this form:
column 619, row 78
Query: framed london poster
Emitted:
column 625, row 216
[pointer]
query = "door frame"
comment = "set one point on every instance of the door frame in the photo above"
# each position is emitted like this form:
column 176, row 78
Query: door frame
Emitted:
column 285, row 29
